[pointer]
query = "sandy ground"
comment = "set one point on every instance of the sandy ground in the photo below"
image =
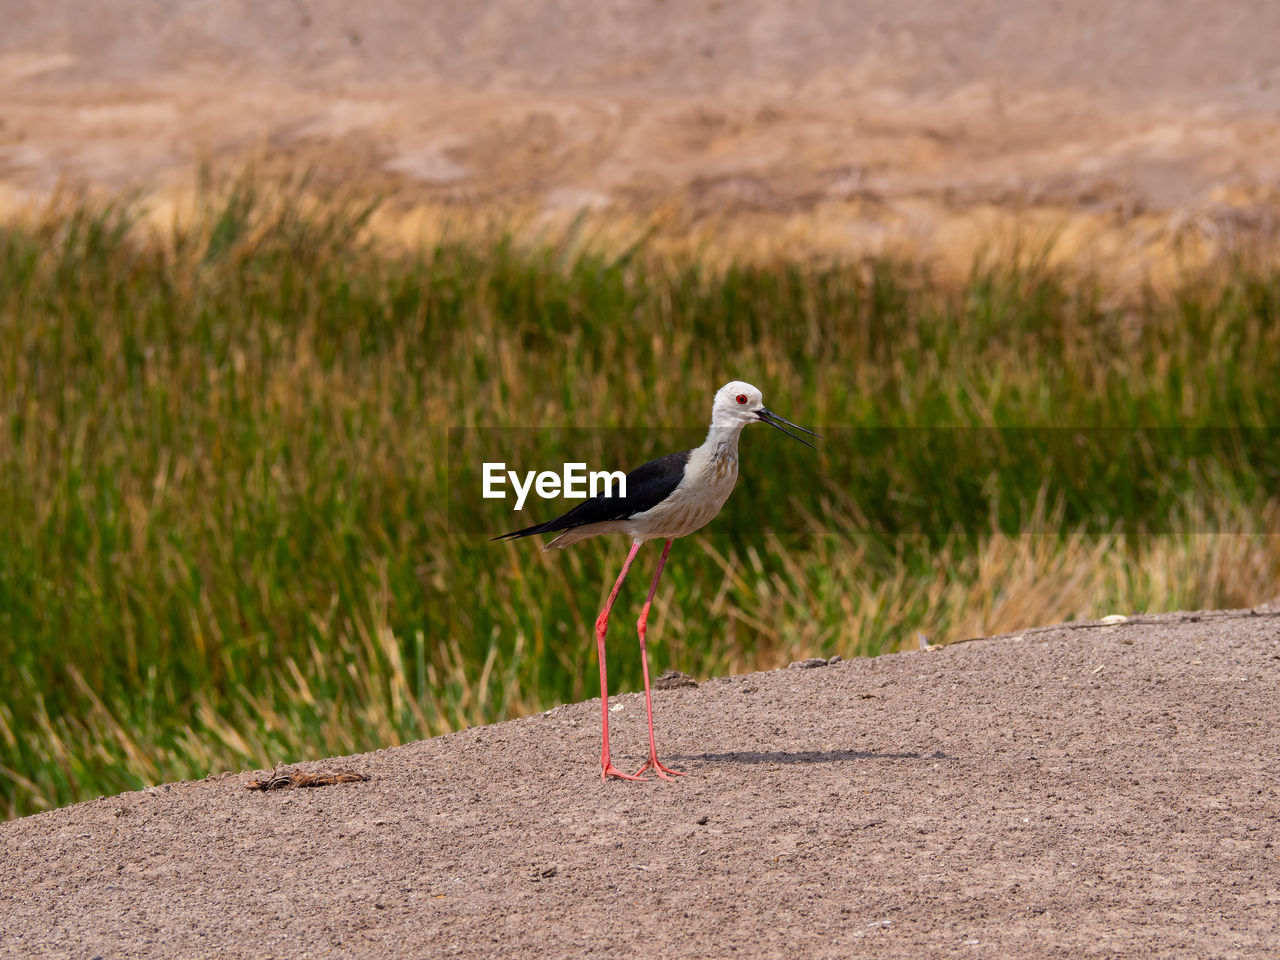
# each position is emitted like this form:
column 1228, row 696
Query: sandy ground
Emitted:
column 1134, row 133
column 1081, row 791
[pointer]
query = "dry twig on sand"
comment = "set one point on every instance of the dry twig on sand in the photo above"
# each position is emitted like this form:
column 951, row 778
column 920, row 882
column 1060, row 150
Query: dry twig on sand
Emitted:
column 279, row 780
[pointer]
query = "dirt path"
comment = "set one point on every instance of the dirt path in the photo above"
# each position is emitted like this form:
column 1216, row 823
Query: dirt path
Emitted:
column 1079, row 792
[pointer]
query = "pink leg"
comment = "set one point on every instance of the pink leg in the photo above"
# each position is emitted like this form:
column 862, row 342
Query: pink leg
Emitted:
column 602, row 624
column 641, row 626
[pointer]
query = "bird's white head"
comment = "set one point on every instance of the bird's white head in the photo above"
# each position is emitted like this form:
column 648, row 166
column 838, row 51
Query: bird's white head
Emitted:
column 738, row 403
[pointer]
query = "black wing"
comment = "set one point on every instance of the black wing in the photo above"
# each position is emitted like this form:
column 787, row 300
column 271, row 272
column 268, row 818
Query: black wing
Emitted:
column 647, row 486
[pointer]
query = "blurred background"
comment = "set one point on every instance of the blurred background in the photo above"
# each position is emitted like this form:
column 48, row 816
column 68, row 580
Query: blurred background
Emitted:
column 259, row 263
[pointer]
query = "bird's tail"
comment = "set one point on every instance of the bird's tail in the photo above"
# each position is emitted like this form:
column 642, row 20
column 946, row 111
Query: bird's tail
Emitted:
column 526, row 532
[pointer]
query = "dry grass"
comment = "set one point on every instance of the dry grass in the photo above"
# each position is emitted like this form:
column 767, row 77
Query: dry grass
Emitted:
column 226, row 456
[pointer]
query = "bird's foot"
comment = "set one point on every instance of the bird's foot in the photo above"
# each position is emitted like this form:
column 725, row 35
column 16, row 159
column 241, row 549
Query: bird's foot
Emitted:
column 609, row 770
column 653, row 764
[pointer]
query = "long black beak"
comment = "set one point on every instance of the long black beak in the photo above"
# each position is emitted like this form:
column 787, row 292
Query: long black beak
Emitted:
column 771, row 418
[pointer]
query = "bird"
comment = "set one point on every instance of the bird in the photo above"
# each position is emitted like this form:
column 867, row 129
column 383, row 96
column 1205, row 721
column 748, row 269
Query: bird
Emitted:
column 665, row 499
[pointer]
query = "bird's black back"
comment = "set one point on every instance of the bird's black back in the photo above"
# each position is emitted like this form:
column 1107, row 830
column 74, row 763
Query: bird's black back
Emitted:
column 647, row 486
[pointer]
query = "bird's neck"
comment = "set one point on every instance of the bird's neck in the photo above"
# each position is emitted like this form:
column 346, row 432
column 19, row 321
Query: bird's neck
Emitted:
column 722, row 440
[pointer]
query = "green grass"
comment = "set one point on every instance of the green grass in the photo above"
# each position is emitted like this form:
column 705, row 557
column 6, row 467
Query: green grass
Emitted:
column 225, row 462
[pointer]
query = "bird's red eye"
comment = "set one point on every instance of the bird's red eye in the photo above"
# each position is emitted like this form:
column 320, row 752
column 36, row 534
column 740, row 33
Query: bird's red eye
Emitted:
column 742, row 398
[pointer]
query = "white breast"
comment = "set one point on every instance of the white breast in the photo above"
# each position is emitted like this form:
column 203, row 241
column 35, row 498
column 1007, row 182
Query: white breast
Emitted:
column 709, row 478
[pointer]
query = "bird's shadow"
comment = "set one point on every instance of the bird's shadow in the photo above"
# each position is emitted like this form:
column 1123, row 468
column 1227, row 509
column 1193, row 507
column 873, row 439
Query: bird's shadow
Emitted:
column 804, row 756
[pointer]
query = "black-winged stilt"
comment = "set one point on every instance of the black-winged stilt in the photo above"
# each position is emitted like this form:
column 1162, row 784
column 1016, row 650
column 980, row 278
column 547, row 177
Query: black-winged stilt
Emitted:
column 665, row 498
